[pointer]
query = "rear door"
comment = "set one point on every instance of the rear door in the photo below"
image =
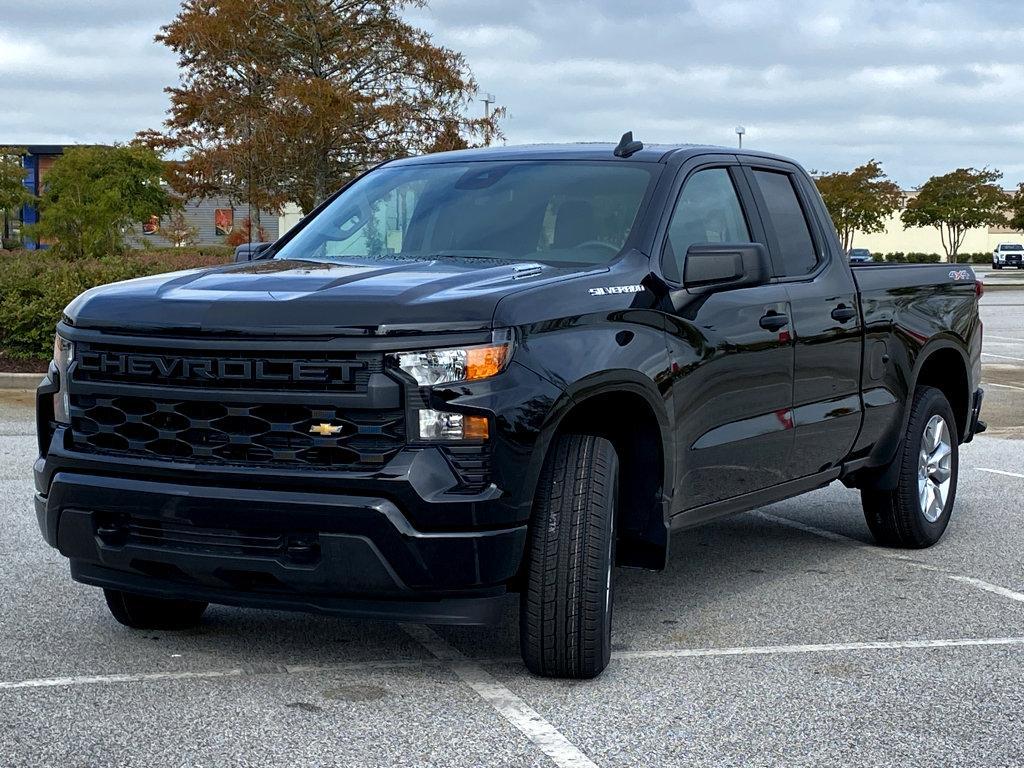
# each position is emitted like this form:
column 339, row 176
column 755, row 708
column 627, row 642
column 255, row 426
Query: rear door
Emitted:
column 824, row 311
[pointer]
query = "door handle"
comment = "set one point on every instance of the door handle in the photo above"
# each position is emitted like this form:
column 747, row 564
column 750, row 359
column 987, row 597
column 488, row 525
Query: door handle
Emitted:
column 842, row 313
column 773, row 321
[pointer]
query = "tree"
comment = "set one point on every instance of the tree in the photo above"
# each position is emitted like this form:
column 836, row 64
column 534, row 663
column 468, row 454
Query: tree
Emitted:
column 1016, row 209
column 93, row 195
column 287, row 100
column 957, row 202
column 859, row 200
column 13, row 192
column 178, row 230
column 246, row 233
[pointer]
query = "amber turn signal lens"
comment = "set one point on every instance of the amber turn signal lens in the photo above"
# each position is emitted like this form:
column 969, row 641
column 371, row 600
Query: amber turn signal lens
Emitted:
column 475, row 428
column 483, row 362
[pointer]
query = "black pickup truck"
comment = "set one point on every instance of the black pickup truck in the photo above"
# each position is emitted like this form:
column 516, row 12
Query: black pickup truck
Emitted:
column 498, row 371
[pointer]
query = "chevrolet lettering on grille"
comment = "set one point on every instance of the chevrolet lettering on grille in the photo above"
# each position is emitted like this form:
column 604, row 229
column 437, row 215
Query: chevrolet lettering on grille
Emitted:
column 205, row 369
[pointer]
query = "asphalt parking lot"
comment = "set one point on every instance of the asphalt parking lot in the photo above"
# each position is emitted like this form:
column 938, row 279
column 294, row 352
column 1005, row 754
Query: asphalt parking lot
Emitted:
column 781, row 636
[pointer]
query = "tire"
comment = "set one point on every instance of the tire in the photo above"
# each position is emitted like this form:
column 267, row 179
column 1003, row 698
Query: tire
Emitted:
column 997, row 266
column 910, row 515
column 145, row 613
column 565, row 611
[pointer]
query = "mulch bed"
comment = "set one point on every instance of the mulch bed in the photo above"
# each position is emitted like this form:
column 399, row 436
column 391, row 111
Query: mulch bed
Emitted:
column 18, row 366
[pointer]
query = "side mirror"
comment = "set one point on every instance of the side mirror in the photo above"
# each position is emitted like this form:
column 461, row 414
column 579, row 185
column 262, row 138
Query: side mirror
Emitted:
column 246, row 252
column 726, row 265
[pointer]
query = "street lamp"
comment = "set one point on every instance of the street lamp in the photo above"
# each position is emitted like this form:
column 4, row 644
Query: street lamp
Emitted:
column 740, row 130
column 488, row 99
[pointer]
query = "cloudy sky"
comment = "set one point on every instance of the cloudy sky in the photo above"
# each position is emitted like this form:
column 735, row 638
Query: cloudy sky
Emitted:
column 923, row 86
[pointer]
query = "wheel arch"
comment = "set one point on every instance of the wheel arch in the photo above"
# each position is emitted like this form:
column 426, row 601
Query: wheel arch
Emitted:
column 626, row 408
column 943, row 365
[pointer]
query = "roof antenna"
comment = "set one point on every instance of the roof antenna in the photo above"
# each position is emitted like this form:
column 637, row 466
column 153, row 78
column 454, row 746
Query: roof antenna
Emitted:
column 627, row 146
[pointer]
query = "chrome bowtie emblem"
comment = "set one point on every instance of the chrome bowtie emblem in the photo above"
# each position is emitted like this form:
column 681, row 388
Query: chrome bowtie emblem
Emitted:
column 325, row 429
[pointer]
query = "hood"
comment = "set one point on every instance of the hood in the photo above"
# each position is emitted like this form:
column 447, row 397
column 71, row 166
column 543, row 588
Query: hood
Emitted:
column 300, row 297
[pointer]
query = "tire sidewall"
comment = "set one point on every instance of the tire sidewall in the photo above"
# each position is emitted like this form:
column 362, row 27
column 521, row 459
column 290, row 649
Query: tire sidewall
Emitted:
column 932, row 403
column 610, row 571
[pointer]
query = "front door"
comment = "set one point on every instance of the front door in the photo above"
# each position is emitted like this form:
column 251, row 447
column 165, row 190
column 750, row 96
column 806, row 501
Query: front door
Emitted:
column 731, row 354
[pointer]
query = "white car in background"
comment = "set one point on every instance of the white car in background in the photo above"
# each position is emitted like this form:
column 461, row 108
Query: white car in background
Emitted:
column 1008, row 255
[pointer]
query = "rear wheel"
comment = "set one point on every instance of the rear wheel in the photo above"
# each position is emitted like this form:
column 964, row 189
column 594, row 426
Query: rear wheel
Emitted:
column 146, row 613
column 915, row 513
column 565, row 612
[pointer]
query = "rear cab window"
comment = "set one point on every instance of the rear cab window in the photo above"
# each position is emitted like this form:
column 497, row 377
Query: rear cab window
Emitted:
column 796, row 253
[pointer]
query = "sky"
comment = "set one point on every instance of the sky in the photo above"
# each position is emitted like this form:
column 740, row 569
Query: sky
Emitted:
column 923, row 86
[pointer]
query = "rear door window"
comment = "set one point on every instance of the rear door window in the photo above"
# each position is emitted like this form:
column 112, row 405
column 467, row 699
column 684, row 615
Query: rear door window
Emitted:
column 795, row 244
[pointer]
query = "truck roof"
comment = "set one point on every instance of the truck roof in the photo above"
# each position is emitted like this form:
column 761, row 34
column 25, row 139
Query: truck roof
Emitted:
column 651, row 153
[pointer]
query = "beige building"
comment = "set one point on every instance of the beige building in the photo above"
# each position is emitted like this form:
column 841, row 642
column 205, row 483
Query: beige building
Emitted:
column 290, row 216
column 927, row 240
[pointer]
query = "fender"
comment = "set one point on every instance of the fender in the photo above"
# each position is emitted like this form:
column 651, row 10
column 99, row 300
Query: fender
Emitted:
column 617, row 381
column 644, row 537
column 886, row 473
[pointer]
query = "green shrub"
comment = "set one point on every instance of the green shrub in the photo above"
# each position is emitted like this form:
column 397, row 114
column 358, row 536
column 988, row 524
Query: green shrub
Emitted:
column 36, row 286
column 976, row 258
column 916, row 257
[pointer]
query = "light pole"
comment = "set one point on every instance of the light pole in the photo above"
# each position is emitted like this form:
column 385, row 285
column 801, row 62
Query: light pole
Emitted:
column 488, row 99
column 740, row 130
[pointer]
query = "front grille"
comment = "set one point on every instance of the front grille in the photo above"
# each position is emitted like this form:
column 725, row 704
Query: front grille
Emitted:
column 234, row 432
column 203, row 368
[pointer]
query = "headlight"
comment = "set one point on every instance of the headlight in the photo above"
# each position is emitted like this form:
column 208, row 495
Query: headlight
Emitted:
column 456, row 364
column 449, row 426
column 63, row 354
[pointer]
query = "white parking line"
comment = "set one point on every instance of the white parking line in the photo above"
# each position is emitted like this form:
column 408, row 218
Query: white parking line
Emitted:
column 1005, row 338
column 1004, row 357
column 185, row 675
column 119, row 678
column 742, row 651
column 1004, row 386
column 513, row 709
column 1000, row 472
column 981, row 584
column 508, row 705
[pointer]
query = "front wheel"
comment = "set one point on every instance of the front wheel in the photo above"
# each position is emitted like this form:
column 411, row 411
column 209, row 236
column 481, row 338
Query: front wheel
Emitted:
column 145, row 613
column 915, row 513
column 565, row 611
column 997, row 266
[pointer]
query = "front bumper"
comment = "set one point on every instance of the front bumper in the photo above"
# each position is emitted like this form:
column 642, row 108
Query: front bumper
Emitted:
column 248, row 547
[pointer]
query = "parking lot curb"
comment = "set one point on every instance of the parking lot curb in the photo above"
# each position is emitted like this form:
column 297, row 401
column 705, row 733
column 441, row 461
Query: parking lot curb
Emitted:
column 9, row 381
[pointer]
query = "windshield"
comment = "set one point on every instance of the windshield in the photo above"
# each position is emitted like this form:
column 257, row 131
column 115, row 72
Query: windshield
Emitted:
column 558, row 211
column 1011, row 247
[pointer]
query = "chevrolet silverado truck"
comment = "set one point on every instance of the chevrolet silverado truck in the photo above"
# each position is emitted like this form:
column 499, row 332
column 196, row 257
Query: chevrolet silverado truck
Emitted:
column 492, row 372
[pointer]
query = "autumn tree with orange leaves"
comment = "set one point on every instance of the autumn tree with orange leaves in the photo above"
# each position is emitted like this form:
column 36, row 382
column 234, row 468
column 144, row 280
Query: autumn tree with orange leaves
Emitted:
column 287, row 100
